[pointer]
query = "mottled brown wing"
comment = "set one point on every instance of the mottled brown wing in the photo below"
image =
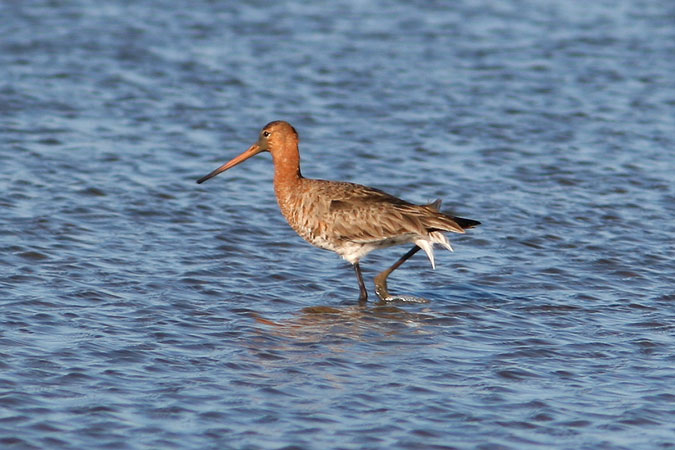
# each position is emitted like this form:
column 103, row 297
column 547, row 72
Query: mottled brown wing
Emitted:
column 362, row 214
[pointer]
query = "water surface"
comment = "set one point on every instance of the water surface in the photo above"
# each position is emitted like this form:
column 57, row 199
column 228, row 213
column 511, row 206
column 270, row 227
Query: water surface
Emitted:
column 141, row 310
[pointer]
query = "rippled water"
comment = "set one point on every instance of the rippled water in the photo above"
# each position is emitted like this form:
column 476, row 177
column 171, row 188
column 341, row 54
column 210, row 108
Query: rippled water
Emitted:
column 140, row 310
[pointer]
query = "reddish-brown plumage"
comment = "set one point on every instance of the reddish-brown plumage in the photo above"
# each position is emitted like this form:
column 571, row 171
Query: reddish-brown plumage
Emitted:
column 349, row 219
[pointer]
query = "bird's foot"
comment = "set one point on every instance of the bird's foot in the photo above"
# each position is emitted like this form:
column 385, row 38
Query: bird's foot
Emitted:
column 381, row 287
column 387, row 298
column 401, row 299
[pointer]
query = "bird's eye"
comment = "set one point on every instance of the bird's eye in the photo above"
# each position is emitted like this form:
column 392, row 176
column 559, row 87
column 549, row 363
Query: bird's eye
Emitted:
column 266, row 133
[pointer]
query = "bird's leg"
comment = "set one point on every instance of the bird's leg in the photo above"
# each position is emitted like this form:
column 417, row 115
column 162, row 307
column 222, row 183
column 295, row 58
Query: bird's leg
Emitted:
column 363, row 296
column 381, row 279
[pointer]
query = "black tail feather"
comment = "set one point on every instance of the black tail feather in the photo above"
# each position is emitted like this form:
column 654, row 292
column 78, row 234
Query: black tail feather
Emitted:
column 466, row 223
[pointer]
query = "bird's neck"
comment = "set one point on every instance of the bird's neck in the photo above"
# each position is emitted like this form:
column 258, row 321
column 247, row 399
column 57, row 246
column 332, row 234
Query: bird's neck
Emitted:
column 287, row 174
column 286, row 166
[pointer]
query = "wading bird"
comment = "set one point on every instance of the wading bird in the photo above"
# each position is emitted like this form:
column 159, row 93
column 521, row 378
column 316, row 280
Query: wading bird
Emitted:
column 350, row 219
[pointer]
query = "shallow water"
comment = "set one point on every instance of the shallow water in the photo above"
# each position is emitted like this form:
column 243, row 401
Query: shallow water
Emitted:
column 140, row 310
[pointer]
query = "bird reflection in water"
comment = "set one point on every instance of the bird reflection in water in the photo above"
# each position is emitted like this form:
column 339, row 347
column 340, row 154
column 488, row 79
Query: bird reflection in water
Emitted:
column 349, row 323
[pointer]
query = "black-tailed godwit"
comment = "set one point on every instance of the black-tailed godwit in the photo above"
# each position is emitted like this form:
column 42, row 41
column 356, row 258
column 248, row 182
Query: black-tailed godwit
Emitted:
column 350, row 219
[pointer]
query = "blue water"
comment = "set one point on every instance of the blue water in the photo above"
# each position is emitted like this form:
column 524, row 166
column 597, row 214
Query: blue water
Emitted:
column 140, row 310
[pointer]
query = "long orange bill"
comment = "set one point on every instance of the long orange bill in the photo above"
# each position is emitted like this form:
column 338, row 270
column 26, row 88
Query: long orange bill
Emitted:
column 252, row 151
